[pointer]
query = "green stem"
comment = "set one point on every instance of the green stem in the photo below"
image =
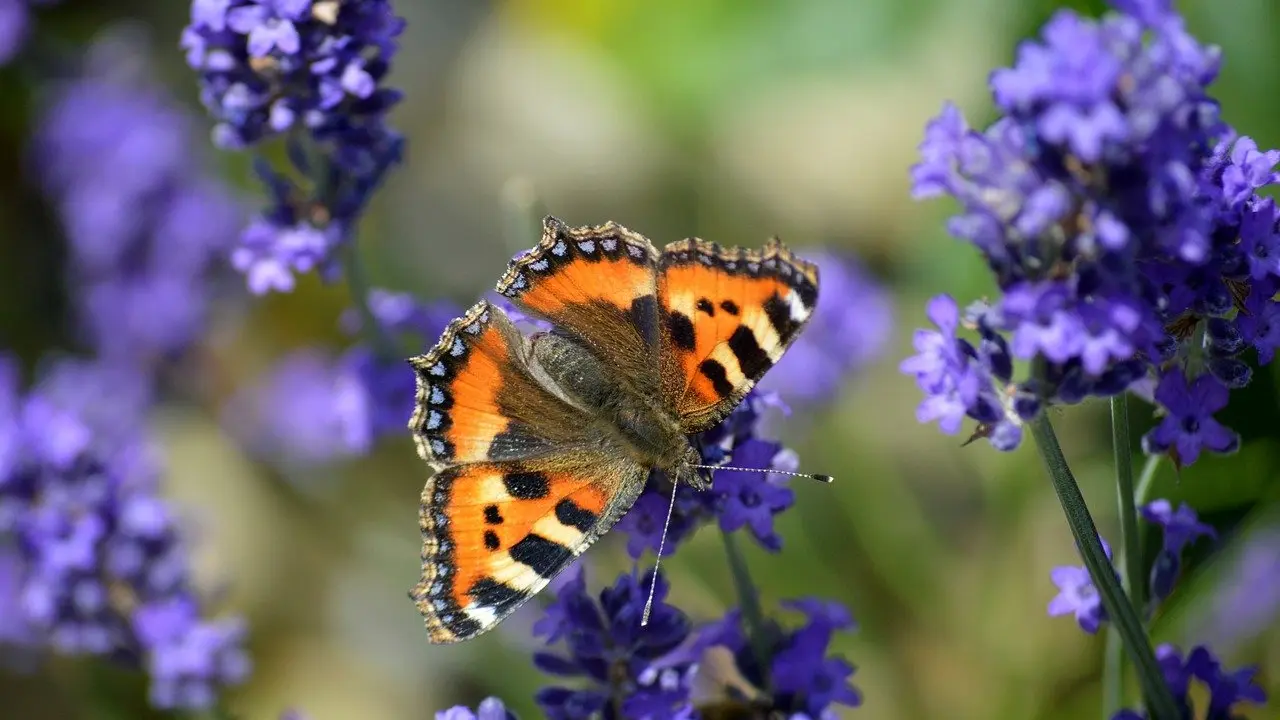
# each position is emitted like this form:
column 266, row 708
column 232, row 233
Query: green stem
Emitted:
column 1158, row 700
column 383, row 345
column 1112, row 673
column 1147, row 479
column 1131, row 557
column 752, row 616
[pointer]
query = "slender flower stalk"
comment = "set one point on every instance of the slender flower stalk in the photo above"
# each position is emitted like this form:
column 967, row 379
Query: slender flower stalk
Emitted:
column 1098, row 563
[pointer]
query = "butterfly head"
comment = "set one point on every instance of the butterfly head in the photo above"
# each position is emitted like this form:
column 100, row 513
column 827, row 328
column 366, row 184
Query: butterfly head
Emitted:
column 689, row 470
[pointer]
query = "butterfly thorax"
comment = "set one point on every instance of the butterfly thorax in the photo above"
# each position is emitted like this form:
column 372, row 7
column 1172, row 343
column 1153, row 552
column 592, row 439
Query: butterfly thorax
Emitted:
column 634, row 423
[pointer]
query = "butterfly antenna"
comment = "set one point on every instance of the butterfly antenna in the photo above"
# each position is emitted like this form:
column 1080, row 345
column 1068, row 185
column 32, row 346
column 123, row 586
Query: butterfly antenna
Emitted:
column 811, row 476
column 653, row 584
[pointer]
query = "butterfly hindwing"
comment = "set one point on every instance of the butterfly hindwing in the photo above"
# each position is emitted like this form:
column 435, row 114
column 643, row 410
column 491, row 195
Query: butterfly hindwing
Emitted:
column 477, row 400
column 494, row 534
column 729, row 315
column 597, row 285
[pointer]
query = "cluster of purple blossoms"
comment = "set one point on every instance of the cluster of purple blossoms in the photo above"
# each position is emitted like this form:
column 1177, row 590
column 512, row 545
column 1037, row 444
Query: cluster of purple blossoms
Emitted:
column 144, row 226
column 1225, row 689
column 651, row 672
column 1122, row 221
column 95, row 557
column 1077, row 595
column 309, row 71
column 15, row 25
column 633, row 671
column 313, row 408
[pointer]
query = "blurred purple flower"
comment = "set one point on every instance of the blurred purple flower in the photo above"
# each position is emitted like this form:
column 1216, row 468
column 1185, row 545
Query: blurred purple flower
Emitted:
column 143, row 223
column 850, row 327
column 104, row 567
column 1118, row 213
column 297, row 68
column 488, row 709
column 1248, row 595
column 1077, row 595
column 186, row 653
column 15, row 25
column 14, row 628
column 312, row 408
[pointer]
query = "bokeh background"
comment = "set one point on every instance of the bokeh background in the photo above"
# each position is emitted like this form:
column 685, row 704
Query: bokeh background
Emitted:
column 731, row 120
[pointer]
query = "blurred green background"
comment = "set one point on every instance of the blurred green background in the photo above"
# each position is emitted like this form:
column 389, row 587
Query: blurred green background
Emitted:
column 732, row 120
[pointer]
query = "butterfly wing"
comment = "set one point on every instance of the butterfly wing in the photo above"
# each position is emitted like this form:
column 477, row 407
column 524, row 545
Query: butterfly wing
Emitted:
column 478, row 401
column 494, row 534
column 598, row 286
column 525, row 483
column 730, row 314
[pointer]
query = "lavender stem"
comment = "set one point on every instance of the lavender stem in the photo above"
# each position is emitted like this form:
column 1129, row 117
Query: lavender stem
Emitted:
column 1156, row 694
column 752, row 616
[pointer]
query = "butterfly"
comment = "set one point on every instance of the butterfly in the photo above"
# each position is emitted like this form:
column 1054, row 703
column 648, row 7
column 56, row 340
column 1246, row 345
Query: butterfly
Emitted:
column 540, row 444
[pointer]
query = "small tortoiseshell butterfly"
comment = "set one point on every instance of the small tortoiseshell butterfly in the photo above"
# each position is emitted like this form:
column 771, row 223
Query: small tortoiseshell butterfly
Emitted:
column 542, row 443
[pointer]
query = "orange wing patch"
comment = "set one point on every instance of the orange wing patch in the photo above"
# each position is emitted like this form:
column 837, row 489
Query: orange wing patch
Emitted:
column 599, row 285
column 494, row 534
column 729, row 315
column 477, row 401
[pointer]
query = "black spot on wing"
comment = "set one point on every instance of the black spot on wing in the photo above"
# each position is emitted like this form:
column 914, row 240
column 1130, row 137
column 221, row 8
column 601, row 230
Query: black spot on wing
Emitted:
column 500, row 597
column 752, row 360
column 492, row 515
column 644, row 315
column 541, row 555
column 527, row 485
column 704, row 305
column 730, row 307
column 715, row 372
column 574, row 515
column 779, row 315
column 491, row 540
column 681, row 329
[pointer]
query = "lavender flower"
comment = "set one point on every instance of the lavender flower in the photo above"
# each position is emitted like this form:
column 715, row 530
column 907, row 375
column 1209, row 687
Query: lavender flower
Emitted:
column 632, row 671
column 806, row 681
column 1225, row 689
column 850, row 327
column 1077, row 595
column 15, row 26
column 489, row 709
column 1121, row 219
column 104, row 568
column 304, row 69
column 1180, row 527
column 736, row 499
column 144, row 223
